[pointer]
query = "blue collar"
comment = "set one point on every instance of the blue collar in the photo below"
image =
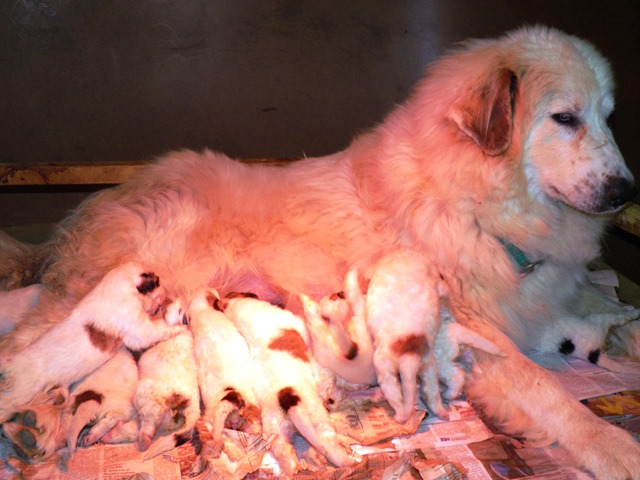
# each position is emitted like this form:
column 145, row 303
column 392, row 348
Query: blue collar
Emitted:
column 525, row 266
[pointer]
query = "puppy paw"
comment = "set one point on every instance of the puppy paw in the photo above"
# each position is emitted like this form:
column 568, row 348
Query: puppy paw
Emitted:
column 175, row 313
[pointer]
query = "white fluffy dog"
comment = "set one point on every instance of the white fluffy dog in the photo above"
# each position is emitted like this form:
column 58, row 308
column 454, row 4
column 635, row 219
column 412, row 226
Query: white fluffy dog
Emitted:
column 125, row 308
column 503, row 144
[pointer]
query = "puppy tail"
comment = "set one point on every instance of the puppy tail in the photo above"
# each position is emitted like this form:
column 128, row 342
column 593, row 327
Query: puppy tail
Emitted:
column 169, row 442
column 218, row 417
column 408, row 367
column 314, row 425
column 86, row 412
column 465, row 336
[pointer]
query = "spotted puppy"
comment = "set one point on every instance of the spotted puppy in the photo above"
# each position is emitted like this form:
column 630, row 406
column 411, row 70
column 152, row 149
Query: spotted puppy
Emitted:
column 225, row 375
column 340, row 340
column 285, row 381
column 103, row 400
column 126, row 308
column 403, row 316
column 451, row 355
column 167, row 398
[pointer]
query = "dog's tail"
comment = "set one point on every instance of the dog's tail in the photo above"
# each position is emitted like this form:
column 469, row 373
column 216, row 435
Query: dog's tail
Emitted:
column 236, row 410
column 313, row 423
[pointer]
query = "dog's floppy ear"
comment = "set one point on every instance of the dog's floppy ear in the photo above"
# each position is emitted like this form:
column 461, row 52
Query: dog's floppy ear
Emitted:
column 485, row 113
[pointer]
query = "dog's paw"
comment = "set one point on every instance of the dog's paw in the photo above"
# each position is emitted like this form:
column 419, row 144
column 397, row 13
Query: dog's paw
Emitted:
column 610, row 453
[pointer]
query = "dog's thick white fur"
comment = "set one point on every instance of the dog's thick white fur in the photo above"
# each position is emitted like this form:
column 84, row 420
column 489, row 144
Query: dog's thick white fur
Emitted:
column 125, row 309
column 504, row 141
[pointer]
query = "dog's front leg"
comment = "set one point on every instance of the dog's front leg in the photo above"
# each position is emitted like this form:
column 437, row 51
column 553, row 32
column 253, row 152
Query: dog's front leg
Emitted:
column 524, row 398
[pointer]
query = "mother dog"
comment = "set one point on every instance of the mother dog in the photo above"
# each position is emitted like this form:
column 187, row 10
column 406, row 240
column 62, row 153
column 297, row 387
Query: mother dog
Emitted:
column 503, row 144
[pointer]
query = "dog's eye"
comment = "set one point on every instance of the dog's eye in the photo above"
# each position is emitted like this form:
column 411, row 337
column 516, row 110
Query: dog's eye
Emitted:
column 566, row 119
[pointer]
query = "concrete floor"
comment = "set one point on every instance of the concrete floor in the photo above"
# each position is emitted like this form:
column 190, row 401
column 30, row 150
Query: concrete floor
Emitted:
column 87, row 80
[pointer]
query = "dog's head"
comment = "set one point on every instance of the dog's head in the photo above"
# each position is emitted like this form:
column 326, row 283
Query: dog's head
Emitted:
column 549, row 95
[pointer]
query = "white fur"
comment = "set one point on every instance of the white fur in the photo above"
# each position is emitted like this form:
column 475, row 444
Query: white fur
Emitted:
column 403, row 317
column 476, row 156
column 340, row 340
column 117, row 314
column 103, row 400
column 278, row 344
column 167, row 398
column 14, row 303
column 224, row 367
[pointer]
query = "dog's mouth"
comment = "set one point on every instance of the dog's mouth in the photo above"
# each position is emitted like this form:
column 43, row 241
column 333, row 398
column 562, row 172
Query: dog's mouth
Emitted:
column 612, row 197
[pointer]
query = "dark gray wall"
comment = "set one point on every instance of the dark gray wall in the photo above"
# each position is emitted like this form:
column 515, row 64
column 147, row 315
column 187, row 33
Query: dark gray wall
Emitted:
column 95, row 80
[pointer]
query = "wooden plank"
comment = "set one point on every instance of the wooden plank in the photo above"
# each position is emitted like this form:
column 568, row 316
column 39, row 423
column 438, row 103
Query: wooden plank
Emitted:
column 106, row 173
column 68, row 174
column 628, row 219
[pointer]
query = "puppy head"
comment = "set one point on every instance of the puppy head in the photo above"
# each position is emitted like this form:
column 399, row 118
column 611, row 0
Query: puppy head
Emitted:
column 570, row 155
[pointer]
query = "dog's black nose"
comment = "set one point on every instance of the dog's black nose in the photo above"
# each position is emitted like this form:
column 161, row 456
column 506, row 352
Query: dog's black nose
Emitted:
column 619, row 191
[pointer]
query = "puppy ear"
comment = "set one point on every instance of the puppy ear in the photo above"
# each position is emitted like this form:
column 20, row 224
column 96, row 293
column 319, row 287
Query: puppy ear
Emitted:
column 485, row 114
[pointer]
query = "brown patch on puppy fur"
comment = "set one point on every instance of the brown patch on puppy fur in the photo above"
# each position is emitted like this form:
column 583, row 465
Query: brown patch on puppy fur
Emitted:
column 288, row 398
column 86, row 396
column 177, row 404
column 235, row 398
column 291, row 342
column 411, row 344
column 102, row 340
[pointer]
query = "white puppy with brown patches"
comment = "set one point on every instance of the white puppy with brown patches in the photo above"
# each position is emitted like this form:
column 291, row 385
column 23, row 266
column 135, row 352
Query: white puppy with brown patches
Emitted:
column 225, row 372
column 285, row 382
column 103, row 400
column 340, row 340
column 167, row 398
column 126, row 308
column 405, row 318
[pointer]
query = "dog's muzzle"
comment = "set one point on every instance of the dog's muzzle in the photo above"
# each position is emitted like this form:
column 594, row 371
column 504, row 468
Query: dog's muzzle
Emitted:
column 618, row 191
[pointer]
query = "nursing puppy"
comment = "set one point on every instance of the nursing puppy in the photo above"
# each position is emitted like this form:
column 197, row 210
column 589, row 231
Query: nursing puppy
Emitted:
column 285, row 383
column 167, row 398
column 125, row 308
column 503, row 144
column 102, row 401
column 225, row 371
column 340, row 340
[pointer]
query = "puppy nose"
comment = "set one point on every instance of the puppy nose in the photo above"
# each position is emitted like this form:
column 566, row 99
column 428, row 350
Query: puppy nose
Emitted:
column 619, row 191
